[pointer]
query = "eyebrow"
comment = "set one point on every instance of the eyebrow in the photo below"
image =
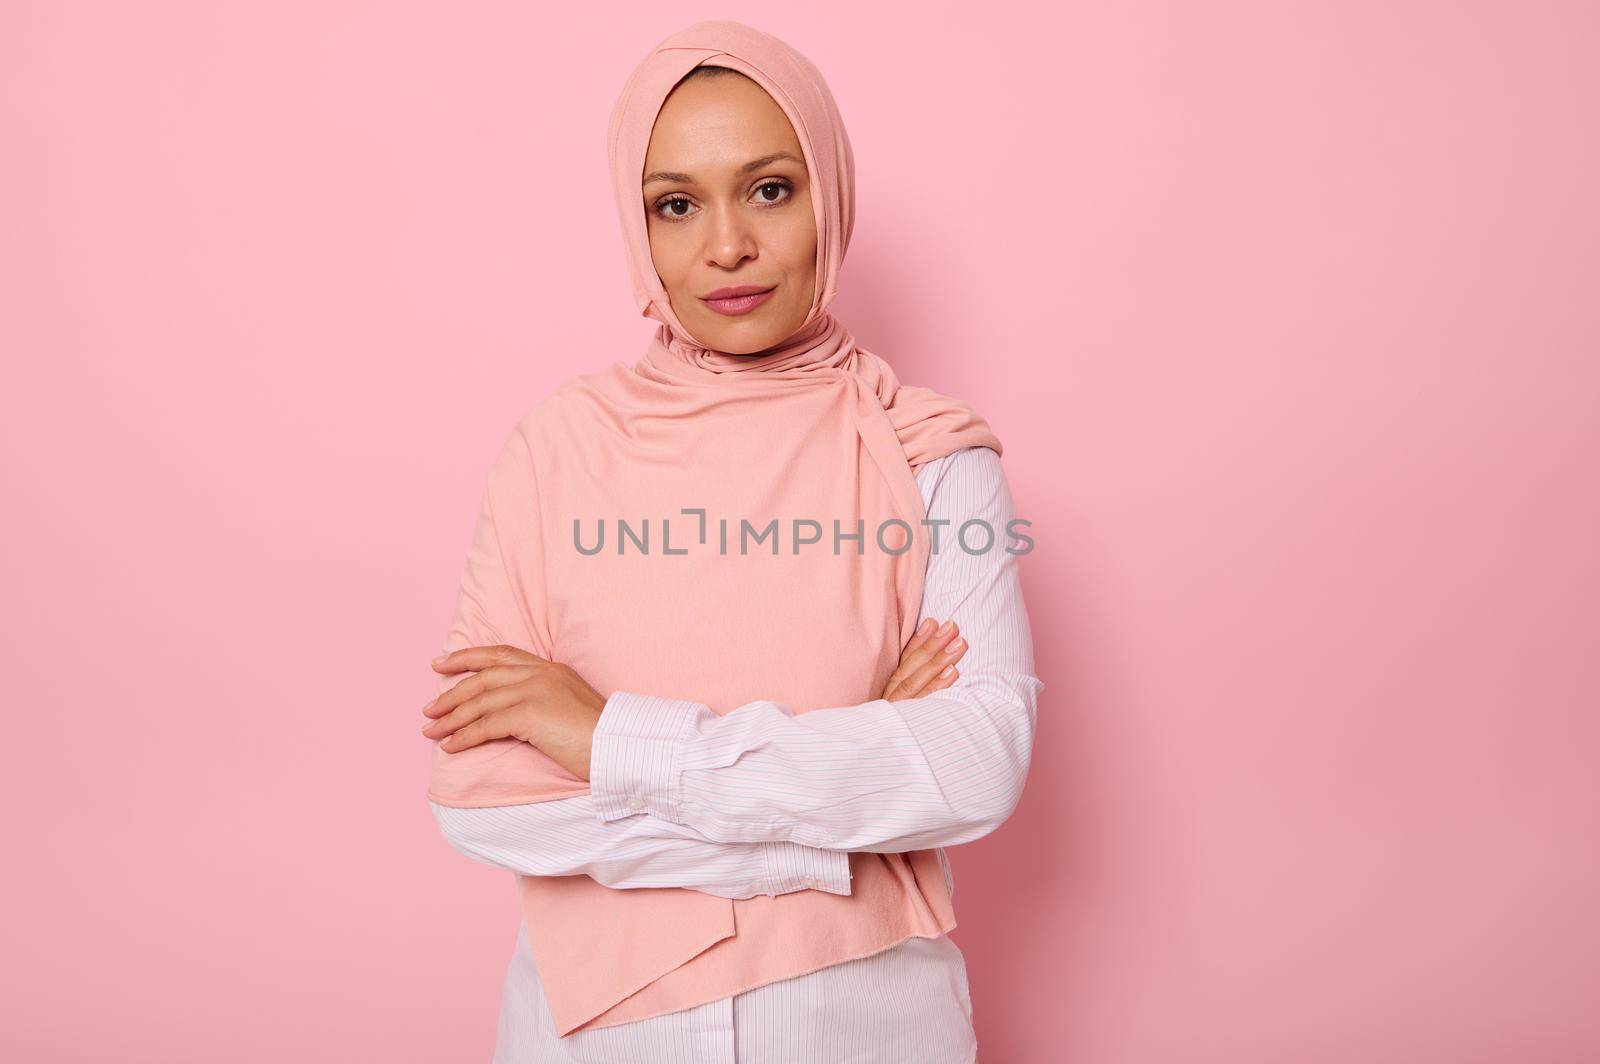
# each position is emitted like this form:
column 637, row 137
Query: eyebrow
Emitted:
column 753, row 164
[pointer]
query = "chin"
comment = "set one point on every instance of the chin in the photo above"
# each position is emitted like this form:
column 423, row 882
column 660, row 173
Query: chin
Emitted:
column 744, row 338
column 734, row 346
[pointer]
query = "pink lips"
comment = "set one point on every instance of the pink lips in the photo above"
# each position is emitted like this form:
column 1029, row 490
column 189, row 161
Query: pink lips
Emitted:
column 739, row 299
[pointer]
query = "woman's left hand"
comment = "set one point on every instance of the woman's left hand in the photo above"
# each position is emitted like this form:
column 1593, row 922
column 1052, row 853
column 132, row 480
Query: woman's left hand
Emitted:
column 516, row 695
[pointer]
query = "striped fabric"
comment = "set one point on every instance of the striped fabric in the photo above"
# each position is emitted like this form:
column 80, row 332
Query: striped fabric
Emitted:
column 766, row 801
column 905, row 1005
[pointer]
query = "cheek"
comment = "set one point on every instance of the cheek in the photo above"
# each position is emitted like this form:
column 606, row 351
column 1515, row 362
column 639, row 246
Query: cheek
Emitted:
column 668, row 255
column 796, row 244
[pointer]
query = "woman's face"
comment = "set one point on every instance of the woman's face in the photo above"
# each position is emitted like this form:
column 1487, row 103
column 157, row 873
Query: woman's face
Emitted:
column 727, row 200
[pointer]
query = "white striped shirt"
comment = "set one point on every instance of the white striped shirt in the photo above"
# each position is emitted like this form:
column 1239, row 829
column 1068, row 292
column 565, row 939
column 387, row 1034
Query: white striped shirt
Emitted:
column 766, row 801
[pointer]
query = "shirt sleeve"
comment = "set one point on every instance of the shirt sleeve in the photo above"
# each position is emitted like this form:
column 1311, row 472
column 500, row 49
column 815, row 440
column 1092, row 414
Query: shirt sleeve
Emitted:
column 881, row 776
column 507, row 804
column 565, row 837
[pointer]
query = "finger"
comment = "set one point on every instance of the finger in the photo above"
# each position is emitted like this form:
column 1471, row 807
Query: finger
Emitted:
column 941, row 681
column 469, row 659
column 489, row 702
column 494, row 699
column 445, row 701
column 916, row 664
column 937, row 683
column 472, row 686
column 483, row 730
column 922, row 648
column 918, row 638
column 935, row 663
column 944, row 679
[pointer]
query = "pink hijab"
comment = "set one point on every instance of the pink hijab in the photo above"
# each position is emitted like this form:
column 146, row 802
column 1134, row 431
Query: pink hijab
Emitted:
column 815, row 428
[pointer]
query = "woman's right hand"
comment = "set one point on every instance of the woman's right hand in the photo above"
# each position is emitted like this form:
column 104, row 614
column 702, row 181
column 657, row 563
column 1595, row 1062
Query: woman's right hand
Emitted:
column 927, row 664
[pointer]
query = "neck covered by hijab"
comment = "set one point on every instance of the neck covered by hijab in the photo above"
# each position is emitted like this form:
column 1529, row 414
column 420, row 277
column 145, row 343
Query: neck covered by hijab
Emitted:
column 812, row 428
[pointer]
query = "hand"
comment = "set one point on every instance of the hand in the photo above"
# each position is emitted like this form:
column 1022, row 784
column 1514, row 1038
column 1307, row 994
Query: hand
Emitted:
column 927, row 664
column 516, row 695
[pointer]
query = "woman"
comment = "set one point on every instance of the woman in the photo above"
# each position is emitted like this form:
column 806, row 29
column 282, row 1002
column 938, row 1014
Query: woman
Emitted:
column 736, row 853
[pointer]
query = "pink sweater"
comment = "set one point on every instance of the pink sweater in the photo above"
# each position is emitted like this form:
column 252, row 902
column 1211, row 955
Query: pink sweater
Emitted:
column 912, row 786
column 606, row 960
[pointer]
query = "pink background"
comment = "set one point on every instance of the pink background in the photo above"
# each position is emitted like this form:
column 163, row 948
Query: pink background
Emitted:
column 1286, row 314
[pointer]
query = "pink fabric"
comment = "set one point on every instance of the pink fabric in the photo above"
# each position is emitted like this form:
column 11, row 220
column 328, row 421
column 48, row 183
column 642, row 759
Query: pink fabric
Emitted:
column 817, row 428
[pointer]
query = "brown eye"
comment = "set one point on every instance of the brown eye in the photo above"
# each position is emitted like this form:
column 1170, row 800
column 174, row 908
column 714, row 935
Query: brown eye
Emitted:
column 781, row 186
column 667, row 208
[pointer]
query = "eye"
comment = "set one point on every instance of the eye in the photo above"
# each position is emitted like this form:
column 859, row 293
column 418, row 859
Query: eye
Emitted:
column 782, row 186
column 677, row 208
column 667, row 208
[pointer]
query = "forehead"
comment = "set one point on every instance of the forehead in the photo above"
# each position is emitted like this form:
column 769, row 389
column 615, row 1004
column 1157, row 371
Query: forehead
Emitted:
column 716, row 123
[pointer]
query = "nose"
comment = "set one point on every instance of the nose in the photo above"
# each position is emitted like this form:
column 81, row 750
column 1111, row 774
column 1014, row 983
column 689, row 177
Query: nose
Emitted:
column 730, row 238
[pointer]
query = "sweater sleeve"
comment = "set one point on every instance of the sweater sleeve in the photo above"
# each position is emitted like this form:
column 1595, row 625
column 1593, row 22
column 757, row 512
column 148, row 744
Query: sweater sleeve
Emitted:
column 507, row 804
column 880, row 776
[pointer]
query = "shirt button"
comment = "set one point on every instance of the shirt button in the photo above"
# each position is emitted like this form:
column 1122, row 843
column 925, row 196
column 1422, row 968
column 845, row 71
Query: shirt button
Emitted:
column 635, row 804
column 808, row 882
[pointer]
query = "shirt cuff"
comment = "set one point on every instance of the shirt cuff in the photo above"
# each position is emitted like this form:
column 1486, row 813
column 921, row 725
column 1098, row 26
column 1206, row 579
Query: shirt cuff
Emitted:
column 791, row 866
column 636, row 755
column 636, row 766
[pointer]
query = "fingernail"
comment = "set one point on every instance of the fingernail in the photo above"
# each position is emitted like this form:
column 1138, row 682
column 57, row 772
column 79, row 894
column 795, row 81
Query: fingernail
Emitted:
column 440, row 658
column 956, row 647
column 947, row 627
column 949, row 671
